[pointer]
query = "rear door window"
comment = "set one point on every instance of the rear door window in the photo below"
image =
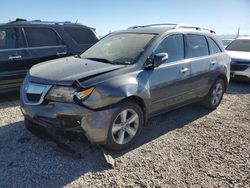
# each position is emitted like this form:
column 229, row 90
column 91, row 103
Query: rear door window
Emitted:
column 81, row 35
column 173, row 45
column 214, row 48
column 196, row 45
column 38, row 37
column 11, row 38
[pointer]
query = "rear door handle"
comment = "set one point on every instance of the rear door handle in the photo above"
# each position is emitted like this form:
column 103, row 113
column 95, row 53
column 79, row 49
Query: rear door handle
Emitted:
column 61, row 53
column 15, row 57
column 183, row 70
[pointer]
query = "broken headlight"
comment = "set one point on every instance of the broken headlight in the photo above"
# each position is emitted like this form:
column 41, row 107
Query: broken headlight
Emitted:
column 61, row 94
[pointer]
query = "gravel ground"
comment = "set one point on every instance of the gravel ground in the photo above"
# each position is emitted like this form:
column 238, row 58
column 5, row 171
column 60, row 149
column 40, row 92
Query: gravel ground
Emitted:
column 188, row 147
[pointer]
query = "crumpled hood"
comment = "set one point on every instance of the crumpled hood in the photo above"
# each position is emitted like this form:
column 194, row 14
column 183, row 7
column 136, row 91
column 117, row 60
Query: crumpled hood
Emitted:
column 68, row 70
column 238, row 55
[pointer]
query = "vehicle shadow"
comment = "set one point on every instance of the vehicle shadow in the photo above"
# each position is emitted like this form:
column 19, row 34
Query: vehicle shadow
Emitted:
column 165, row 123
column 10, row 99
column 238, row 87
column 27, row 160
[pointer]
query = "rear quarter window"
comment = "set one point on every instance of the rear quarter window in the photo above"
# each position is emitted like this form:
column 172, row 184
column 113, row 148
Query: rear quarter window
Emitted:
column 38, row 37
column 213, row 46
column 81, row 35
column 196, row 45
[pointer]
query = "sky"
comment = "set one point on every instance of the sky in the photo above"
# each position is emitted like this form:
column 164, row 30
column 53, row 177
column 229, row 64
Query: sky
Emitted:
column 224, row 16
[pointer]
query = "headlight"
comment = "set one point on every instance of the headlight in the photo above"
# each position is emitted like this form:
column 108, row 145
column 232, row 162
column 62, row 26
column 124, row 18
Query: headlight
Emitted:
column 67, row 94
column 61, row 94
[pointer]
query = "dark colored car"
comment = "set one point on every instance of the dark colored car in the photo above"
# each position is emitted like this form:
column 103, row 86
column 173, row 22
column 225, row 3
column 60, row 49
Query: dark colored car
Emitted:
column 26, row 43
column 110, row 91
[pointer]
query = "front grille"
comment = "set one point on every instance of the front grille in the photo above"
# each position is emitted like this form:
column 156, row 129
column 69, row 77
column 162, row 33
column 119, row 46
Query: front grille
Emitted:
column 34, row 97
column 235, row 67
column 34, row 93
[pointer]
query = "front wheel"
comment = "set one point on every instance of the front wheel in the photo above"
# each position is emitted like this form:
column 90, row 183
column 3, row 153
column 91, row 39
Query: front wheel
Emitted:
column 215, row 95
column 126, row 125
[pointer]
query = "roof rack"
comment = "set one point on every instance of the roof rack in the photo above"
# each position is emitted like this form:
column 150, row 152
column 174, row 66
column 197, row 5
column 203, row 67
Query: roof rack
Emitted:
column 152, row 25
column 40, row 22
column 180, row 26
column 174, row 26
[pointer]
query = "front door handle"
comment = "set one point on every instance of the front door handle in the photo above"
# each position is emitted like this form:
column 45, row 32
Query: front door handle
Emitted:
column 213, row 62
column 61, row 53
column 183, row 70
column 15, row 57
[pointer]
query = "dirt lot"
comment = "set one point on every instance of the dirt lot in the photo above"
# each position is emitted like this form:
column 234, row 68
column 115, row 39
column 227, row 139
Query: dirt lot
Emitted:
column 189, row 147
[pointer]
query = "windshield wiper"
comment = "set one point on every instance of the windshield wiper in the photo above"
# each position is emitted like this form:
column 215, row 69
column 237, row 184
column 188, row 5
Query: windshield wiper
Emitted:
column 100, row 60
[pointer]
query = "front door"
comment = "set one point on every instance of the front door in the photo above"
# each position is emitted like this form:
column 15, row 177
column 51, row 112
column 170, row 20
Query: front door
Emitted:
column 169, row 82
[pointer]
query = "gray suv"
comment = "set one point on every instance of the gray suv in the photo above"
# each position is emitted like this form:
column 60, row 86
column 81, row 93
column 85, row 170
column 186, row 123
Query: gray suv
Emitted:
column 112, row 89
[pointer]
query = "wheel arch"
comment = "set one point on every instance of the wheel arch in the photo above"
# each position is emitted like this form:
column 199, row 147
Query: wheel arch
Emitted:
column 138, row 100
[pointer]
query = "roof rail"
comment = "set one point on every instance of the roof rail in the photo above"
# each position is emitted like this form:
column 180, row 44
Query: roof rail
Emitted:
column 180, row 26
column 152, row 25
column 174, row 26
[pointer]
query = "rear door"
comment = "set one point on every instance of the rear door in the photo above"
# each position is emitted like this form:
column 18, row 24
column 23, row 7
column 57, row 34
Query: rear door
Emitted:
column 197, row 53
column 43, row 44
column 169, row 82
column 13, row 55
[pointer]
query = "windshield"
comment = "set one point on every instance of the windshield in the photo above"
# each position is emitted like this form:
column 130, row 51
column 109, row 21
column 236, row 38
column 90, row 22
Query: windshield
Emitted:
column 122, row 48
column 239, row 45
column 226, row 42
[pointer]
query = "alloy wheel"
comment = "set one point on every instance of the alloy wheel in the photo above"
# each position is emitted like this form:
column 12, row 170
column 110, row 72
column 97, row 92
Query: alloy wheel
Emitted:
column 217, row 93
column 125, row 126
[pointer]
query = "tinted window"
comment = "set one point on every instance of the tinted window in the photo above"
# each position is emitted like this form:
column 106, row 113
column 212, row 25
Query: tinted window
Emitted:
column 41, row 37
column 11, row 38
column 196, row 46
column 81, row 35
column 214, row 48
column 239, row 45
column 173, row 45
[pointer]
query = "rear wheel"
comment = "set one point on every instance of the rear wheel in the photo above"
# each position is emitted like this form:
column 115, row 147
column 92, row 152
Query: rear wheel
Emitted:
column 215, row 95
column 126, row 125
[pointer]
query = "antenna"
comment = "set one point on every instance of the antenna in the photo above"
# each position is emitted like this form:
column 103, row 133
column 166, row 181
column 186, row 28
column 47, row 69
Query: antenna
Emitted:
column 238, row 33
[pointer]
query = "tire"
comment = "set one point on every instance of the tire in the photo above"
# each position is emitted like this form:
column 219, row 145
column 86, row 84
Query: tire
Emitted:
column 217, row 89
column 122, row 133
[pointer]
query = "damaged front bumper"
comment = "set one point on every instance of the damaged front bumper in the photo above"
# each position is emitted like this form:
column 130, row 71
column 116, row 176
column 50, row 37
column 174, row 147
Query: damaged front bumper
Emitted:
column 71, row 117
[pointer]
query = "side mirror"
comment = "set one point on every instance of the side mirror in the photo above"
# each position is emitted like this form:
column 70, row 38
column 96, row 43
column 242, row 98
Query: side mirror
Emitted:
column 160, row 58
column 156, row 60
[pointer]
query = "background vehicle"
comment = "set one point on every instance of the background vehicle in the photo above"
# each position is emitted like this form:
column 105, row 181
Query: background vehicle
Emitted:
column 111, row 90
column 239, row 51
column 26, row 43
column 226, row 42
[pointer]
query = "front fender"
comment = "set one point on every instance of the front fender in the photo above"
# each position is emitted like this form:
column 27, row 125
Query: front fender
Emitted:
column 118, row 88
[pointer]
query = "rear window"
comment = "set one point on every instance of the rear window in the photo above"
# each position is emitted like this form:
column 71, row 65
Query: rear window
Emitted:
column 81, row 35
column 239, row 45
column 38, row 37
column 11, row 38
column 214, row 48
column 196, row 45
